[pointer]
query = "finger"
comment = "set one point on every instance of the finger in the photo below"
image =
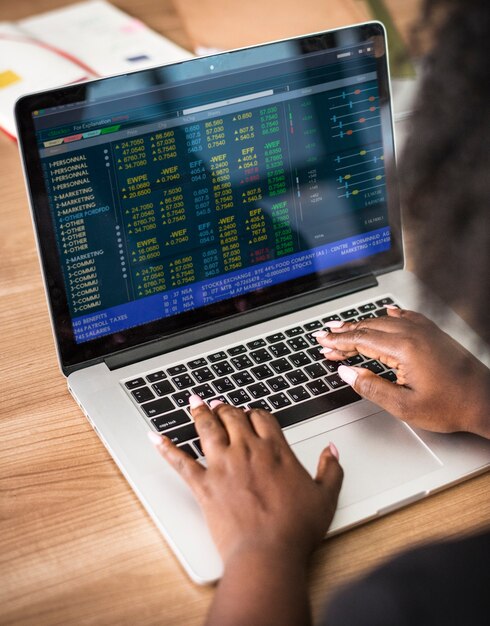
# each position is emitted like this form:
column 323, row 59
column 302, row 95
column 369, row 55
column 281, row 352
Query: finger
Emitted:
column 387, row 323
column 265, row 424
column 375, row 344
column 187, row 467
column 329, row 474
column 235, row 420
column 209, row 427
column 391, row 397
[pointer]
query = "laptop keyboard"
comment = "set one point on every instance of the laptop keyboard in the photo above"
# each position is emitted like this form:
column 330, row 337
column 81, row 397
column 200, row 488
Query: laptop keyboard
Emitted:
column 283, row 372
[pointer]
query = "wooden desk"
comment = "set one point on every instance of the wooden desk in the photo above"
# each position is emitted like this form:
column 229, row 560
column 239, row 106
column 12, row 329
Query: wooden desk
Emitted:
column 76, row 547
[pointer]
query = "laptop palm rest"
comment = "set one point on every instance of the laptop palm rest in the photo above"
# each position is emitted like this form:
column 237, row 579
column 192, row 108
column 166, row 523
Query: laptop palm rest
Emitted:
column 377, row 453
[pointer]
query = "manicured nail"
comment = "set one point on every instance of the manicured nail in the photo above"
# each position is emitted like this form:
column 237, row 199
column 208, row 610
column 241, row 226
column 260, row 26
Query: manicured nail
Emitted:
column 195, row 401
column 214, row 403
column 326, row 350
column 333, row 450
column 155, row 438
column 391, row 306
column 348, row 374
column 319, row 333
column 334, row 324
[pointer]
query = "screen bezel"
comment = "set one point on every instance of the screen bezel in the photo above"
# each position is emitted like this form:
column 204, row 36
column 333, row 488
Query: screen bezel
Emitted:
column 73, row 355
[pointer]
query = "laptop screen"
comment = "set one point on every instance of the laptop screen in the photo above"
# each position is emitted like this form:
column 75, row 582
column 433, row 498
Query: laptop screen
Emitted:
column 204, row 189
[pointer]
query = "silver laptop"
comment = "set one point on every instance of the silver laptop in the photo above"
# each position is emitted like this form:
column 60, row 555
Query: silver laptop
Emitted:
column 196, row 223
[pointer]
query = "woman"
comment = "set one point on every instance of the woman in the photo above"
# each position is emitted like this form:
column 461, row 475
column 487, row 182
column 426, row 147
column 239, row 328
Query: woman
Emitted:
column 253, row 479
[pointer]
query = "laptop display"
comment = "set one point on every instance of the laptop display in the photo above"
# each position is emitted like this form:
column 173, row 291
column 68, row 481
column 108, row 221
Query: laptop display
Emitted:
column 212, row 187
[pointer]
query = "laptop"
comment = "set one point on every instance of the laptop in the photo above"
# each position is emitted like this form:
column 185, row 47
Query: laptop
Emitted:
column 196, row 223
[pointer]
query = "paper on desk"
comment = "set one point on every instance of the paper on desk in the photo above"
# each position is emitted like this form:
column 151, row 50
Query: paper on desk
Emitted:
column 105, row 38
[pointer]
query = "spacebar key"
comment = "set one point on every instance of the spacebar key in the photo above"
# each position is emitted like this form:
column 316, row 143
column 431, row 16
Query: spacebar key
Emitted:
column 316, row 406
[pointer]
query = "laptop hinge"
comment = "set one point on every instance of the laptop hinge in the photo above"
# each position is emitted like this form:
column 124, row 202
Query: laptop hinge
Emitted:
column 249, row 318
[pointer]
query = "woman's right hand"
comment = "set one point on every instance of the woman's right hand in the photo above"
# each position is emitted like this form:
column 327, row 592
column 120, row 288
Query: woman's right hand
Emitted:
column 440, row 386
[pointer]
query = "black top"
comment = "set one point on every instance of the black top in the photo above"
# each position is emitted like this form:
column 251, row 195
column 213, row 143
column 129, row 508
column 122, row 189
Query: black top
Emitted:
column 447, row 583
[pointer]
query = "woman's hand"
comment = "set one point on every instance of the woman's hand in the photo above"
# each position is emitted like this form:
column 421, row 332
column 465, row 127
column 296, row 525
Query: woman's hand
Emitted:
column 254, row 492
column 265, row 512
column 440, row 386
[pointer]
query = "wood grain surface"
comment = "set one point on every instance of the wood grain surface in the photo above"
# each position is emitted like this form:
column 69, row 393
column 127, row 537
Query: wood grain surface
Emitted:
column 76, row 547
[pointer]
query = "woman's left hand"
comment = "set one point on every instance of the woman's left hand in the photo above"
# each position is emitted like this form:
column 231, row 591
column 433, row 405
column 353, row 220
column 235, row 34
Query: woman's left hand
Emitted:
column 254, row 493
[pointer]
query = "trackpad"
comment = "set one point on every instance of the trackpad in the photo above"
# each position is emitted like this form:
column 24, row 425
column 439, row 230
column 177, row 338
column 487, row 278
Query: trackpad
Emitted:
column 377, row 453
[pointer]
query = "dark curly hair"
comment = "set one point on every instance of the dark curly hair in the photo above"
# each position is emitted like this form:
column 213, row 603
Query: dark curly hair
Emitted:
column 445, row 166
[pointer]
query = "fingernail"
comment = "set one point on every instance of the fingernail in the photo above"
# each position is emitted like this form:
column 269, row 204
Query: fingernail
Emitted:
column 334, row 324
column 348, row 374
column 391, row 306
column 214, row 403
column 326, row 350
column 319, row 333
column 333, row 450
column 155, row 438
column 195, row 401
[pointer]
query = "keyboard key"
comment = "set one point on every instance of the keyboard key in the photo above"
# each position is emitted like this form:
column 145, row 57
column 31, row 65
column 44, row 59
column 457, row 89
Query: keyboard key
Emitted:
column 180, row 435
column 298, row 343
column 155, row 376
column 381, row 312
column 374, row 366
column 243, row 378
column 275, row 338
column 297, row 377
column 188, row 449
column 262, row 371
column 136, row 382
column 315, row 353
column 197, row 363
column 300, row 359
column 312, row 325
column 364, row 308
column 354, row 360
column 239, row 396
column 317, row 387
column 236, row 350
column 241, row 362
column 257, row 343
column 279, row 400
column 142, row 395
column 184, row 381
column 223, row 368
column 259, row 404
column 349, row 313
column 311, row 339
column 316, row 406
column 170, row 420
column 203, row 374
column 335, row 381
column 176, row 370
column 278, row 383
column 389, row 375
column 384, row 302
column 331, row 366
column 222, row 385
column 315, row 370
column 221, row 398
column 366, row 316
column 294, row 332
column 217, row 356
column 281, row 365
column 279, row 349
column 198, row 445
column 332, row 318
column 298, row 394
column 261, row 356
column 182, row 398
column 204, row 391
column 157, row 407
column 259, row 390
column 163, row 388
